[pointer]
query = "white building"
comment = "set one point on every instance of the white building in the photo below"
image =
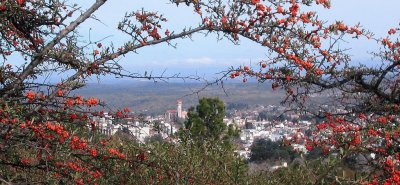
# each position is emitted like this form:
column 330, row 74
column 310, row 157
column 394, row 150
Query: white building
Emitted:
column 106, row 126
column 140, row 132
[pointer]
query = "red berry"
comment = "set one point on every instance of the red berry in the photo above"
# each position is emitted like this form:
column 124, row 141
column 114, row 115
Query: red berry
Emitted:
column 263, row 65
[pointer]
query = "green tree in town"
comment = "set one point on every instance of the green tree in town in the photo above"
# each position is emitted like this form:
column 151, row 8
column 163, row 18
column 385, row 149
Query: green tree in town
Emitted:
column 206, row 119
column 205, row 123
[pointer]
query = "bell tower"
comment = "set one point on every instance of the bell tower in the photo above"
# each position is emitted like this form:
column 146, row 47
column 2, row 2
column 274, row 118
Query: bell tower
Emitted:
column 179, row 108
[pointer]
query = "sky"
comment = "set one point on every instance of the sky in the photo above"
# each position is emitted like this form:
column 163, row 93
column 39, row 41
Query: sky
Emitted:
column 205, row 56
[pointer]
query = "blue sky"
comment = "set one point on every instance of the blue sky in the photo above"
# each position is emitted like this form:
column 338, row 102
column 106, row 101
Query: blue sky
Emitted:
column 206, row 56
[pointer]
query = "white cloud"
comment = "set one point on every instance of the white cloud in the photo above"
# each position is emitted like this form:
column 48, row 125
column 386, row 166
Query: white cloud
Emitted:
column 199, row 61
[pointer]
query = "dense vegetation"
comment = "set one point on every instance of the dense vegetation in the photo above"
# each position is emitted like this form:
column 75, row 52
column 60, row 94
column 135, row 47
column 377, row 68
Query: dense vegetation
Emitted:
column 263, row 150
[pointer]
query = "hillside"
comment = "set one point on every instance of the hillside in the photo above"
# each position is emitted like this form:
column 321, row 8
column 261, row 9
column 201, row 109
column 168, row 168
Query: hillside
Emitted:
column 155, row 98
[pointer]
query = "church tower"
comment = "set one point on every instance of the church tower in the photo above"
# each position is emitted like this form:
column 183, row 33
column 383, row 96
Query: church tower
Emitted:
column 179, row 108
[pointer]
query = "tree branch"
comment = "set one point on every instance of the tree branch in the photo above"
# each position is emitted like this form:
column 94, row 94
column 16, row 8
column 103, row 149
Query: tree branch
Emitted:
column 38, row 58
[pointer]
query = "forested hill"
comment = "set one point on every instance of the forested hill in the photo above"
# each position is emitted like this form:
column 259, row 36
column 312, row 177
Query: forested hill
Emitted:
column 155, row 98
